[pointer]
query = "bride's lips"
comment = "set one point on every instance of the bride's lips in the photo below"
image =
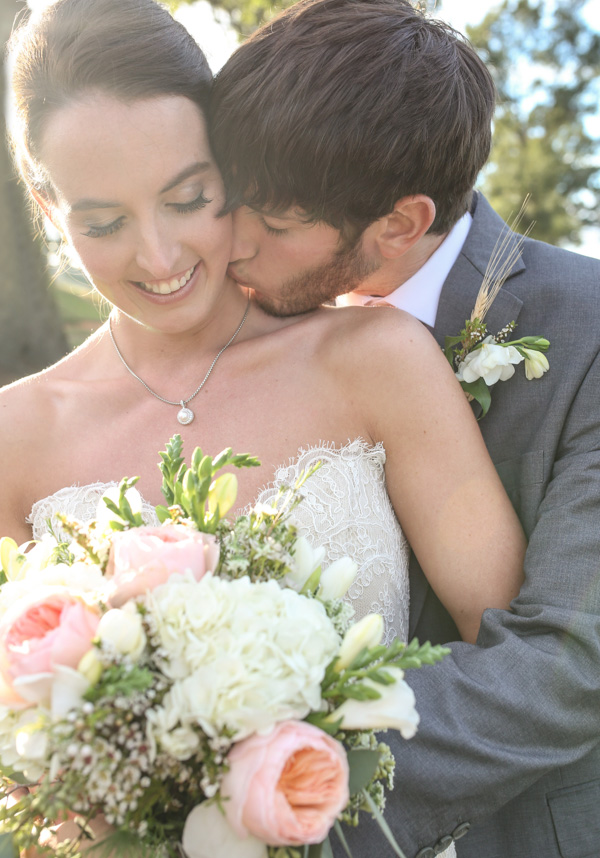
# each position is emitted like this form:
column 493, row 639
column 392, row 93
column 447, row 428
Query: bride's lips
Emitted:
column 165, row 289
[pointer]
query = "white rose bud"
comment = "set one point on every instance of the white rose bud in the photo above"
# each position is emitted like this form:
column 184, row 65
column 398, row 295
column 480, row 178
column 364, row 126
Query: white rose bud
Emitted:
column 491, row 362
column 90, row 666
column 122, row 629
column 208, row 834
column 536, row 363
column 394, row 709
column 364, row 634
column 306, row 560
column 337, row 578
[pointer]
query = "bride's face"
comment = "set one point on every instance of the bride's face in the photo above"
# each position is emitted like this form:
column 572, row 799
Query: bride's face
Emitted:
column 136, row 193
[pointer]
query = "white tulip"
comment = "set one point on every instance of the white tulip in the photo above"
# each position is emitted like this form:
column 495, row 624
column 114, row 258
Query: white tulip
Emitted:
column 122, row 629
column 337, row 578
column 208, row 834
column 394, row 709
column 305, row 561
column 365, row 633
column 536, row 363
column 104, row 516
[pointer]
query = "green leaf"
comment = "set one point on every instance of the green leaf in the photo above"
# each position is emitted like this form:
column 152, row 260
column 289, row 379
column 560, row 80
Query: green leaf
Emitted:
column 357, row 691
column 363, row 765
column 162, row 513
column 342, row 838
column 385, row 829
column 7, row 846
column 480, row 392
column 327, row 850
column 315, row 851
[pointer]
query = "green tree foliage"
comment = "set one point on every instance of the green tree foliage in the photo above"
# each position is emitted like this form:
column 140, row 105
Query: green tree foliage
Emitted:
column 546, row 64
column 31, row 335
column 245, row 15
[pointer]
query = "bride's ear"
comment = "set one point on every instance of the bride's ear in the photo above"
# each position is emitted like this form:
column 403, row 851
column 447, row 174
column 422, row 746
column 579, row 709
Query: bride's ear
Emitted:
column 408, row 222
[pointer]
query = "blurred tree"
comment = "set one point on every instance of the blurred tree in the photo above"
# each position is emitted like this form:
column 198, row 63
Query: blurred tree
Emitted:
column 546, row 64
column 31, row 335
column 245, row 15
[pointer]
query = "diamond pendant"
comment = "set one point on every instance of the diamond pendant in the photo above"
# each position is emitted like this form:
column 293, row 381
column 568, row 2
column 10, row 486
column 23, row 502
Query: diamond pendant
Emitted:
column 185, row 415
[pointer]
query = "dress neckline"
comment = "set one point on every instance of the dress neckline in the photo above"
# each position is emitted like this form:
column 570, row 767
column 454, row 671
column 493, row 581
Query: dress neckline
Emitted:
column 353, row 447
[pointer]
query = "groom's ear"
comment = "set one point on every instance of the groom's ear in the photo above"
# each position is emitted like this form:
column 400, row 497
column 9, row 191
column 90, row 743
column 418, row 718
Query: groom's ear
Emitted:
column 408, row 222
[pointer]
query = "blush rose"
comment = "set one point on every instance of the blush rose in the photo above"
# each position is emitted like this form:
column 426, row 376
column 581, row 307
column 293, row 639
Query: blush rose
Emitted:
column 145, row 557
column 49, row 633
column 286, row 787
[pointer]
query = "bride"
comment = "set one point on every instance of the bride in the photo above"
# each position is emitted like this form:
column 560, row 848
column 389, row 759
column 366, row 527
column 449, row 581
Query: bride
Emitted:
column 110, row 137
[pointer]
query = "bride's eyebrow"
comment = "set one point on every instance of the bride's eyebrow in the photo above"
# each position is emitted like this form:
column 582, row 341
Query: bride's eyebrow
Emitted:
column 88, row 203
column 188, row 172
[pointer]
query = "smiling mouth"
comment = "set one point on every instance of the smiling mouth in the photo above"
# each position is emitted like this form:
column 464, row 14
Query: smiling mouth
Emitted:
column 166, row 287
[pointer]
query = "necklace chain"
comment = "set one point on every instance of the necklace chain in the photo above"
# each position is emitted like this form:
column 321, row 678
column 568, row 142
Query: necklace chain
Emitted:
column 185, row 415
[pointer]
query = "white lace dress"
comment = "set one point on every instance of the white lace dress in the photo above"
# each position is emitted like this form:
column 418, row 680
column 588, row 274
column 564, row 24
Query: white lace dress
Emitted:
column 346, row 509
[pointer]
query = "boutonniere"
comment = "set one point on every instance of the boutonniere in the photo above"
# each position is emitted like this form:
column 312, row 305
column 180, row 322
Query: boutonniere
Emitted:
column 481, row 359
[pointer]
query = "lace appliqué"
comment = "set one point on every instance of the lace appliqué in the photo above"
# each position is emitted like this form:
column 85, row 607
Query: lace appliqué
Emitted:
column 347, row 510
column 78, row 502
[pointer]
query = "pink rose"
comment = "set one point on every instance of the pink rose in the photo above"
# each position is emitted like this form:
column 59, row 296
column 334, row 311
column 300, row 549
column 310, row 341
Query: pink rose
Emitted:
column 287, row 787
column 145, row 557
column 55, row 631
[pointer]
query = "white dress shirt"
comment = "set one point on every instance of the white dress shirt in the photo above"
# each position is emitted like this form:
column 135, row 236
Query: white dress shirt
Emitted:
column 420, row 294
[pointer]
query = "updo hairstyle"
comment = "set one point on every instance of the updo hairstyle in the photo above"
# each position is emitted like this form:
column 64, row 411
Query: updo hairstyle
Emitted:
column 129, row 49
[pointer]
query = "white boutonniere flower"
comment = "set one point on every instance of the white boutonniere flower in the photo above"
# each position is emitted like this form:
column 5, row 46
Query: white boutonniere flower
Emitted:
column 480, row 359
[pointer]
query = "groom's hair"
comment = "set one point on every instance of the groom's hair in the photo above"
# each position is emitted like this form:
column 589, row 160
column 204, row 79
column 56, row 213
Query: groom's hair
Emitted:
column 343, row 107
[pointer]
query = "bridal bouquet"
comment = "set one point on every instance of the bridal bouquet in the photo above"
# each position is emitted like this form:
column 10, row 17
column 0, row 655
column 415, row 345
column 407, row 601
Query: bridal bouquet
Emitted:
column 199, row 683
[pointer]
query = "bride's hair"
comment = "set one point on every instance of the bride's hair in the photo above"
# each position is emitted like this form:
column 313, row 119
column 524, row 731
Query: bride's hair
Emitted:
column 131, row 49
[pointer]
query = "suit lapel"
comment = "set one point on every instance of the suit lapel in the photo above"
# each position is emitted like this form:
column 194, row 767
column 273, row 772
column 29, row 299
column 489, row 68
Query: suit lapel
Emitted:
column 460, row 290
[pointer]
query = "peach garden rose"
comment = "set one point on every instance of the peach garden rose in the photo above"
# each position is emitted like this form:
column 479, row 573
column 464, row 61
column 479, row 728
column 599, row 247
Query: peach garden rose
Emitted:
column 36, row 641
column 286, row 787
column 145, row 557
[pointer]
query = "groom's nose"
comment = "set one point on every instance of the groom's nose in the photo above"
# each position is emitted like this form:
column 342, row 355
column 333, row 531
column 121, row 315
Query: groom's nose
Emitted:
column 245, row 245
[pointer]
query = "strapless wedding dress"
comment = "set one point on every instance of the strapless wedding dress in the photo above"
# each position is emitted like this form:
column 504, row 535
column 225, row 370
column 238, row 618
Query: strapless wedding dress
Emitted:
column 346, row 509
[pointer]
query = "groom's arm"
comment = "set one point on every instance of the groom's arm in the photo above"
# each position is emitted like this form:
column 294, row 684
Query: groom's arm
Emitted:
column 526, row 699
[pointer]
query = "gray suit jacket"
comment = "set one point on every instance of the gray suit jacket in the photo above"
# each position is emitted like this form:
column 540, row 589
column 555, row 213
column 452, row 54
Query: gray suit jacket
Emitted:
column 507, row 751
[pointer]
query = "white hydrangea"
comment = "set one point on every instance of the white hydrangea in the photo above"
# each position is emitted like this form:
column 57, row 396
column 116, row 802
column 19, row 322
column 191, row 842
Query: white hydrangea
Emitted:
column 242, row 656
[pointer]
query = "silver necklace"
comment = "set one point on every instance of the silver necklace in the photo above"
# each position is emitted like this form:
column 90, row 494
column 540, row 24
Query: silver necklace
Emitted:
column 185, row 415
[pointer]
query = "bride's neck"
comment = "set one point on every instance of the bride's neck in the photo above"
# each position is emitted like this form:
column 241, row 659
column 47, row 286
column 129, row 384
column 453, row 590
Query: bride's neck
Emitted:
column 143, row 346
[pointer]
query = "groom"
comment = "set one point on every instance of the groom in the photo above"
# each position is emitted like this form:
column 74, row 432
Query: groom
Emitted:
column 353, row 131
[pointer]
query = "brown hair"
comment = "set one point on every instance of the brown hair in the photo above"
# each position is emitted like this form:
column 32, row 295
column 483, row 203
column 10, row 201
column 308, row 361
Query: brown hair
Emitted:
column 128, row 48
column 343, row 107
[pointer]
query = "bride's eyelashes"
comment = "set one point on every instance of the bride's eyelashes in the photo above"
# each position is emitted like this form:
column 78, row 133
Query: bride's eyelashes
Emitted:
column 97, row 231
column 107, row 229
column 198, row 203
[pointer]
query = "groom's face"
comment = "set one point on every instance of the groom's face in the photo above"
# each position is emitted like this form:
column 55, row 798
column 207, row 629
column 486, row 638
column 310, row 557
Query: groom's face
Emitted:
column 293, row 265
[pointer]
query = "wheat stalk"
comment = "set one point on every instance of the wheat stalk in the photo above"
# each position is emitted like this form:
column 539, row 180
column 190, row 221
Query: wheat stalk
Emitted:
column 500, row 264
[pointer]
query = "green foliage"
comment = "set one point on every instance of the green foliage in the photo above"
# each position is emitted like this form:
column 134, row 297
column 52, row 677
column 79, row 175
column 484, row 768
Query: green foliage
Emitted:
column 245, row 15
column 546, row 62
column 196, row 492
column 370, row 663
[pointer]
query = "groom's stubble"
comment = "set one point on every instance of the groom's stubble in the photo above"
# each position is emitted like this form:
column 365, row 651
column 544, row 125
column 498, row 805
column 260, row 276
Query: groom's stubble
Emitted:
column 311, row 287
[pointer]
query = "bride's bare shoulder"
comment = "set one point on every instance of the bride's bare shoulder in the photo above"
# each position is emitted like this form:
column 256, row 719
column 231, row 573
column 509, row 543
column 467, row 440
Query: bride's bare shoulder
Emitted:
column 377, row 333
column 30, row 403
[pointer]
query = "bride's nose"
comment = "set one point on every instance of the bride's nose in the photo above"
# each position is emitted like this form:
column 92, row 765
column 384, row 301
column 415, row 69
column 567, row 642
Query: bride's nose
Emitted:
column 157, row 250
column 244, row 245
